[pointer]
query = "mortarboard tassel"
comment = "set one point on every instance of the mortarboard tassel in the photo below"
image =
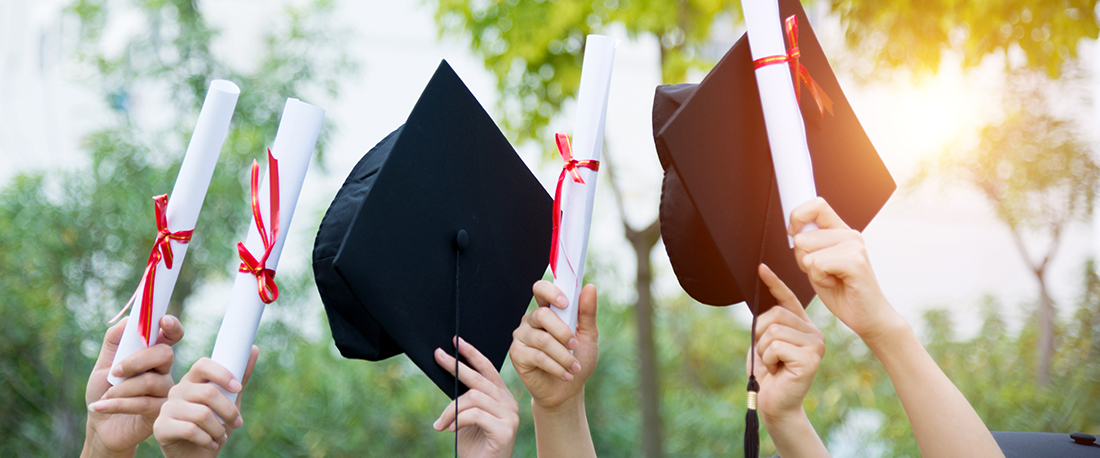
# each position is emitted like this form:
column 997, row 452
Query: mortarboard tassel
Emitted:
column 752, row 423
column 462, row 240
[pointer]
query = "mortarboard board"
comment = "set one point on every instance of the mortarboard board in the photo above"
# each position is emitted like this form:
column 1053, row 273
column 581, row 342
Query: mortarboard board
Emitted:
column 720, row 210
column 439, row 225
column 1037, row 445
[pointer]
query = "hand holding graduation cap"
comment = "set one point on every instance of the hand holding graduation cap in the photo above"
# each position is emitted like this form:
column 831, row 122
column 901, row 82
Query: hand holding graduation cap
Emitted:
column 187, row 426
column 488, row 415
column 122, row 416
column 835, row 259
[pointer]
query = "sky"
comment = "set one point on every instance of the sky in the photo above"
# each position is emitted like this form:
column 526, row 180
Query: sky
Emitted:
column 931, row 247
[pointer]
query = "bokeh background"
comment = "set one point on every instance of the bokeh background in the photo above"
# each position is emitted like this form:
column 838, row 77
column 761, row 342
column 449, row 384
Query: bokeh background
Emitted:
column 983, row 111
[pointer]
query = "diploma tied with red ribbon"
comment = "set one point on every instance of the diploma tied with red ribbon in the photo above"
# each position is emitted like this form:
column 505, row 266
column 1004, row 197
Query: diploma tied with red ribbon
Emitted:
column 780, row 91
column 173, row 221
column 272, row 201
column 576, row 187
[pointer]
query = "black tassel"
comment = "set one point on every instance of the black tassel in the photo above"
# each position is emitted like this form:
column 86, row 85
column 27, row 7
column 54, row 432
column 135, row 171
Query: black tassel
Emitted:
column 752, row 425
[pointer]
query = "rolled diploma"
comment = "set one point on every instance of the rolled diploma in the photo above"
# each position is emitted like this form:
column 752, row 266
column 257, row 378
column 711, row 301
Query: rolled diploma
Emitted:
column 293, row 148
column 577, row 199
column 184, row 204
column 794, row 173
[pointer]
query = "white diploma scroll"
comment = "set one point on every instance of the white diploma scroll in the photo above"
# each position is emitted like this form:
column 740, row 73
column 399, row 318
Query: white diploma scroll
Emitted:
column 184, row 204
column 794, row 173
column 294, row 144
column 577, row 198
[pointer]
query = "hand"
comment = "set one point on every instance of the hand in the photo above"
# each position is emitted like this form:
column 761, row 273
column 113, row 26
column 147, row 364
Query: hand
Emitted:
column 789, row 349
column 835, row 258
column 488, row 415
column 541, row 344
column 122, row 416
column 187, row 426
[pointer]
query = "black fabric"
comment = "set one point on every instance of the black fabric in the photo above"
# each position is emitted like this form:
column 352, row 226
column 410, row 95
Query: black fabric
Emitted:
column 1042, row 445
column 365, row 339
column 449, row 168
column 719, row 176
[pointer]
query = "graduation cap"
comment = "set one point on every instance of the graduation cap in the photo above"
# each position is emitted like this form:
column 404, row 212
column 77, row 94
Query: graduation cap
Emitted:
column 720, row 211
column 1040, row 445
column 440, row 230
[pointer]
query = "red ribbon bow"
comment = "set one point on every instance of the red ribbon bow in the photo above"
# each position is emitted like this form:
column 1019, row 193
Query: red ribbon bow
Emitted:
column 162, row 249
column 570, row 167
column 798, row 71
column 265, row 278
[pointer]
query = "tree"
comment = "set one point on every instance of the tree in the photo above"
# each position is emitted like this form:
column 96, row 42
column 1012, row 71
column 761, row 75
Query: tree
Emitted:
column 74, row 242
column 1038, row 177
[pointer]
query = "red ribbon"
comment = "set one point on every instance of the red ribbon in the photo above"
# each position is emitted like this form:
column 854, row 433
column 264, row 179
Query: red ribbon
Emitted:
column 162, row 249
column 570, row 168
column 798, row 71
column 265, row 278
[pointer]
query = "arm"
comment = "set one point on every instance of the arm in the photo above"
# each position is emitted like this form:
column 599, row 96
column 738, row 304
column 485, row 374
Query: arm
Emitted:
column 789, row 349
column 554, row 376
column 835, row 258
column 120, row 417
column 187, row 426
column 488, row 415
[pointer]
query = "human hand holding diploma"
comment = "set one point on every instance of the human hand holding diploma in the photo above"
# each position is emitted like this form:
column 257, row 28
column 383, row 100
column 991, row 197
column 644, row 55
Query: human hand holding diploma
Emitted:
column 273, row 202
column 576, row 191
column 794, row 173
column 175, row 222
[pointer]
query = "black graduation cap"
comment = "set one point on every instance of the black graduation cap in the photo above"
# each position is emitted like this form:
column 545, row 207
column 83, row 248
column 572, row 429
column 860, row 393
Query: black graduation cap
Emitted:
column 720, row 210
column 1040, row 445
column 440, row 229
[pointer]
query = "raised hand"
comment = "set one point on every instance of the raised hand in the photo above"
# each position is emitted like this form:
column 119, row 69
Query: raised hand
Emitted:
column 488, row 415
column 120, row 417
column 187, row 426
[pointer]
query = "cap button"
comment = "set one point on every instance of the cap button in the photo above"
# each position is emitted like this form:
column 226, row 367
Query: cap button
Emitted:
column 462, row 240
column 1083, row 439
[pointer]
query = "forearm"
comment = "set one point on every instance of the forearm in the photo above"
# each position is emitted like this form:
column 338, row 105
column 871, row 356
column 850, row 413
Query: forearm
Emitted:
column 943, row 421
column 794, row 436
column 562, row 431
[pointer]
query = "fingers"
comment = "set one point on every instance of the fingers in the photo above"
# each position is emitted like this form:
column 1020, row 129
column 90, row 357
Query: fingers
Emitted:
column 781, row 292
column 544, row 332
column 473, row 400
column 586, row 313
column 817, row 211
column 252, row 358
column 212, row 401
column 480, row 363
column 194, row 423
column 157, row 358
column 206, row 370
column 828, row 266
column 171, row 330
column 546, row 294
column 141, row 405
column 790, row 356
column 469, row 377
column 110, row 343
column 146, row 384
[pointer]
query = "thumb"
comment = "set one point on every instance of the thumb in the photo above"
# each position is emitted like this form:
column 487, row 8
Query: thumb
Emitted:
column 586, row 312
column 110, row 343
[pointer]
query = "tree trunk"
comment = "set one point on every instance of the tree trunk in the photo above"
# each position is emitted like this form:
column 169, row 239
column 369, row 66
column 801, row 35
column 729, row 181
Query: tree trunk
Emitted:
column 1046, row 330
column 643, row 242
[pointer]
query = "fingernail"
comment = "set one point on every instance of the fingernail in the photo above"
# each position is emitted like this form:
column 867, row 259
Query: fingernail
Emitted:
column 117, row 371
column 238, row 423
column 435, row 425
column 567, row 376
column 235, row 386
column 224, row 439
column 97, row 406
column 576, row 367
column 213, row 446
column 573, row 344
column 451, row 428
column 561, row 301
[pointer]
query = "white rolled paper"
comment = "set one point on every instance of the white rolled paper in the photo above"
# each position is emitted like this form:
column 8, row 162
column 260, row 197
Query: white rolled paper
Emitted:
column 184, row 204
column 294, row 144
column 794, row 173
column 577, row 199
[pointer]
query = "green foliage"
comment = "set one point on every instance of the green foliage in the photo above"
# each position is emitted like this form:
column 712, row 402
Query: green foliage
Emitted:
column 915, row 33
column 73, row 243
column 534, row 47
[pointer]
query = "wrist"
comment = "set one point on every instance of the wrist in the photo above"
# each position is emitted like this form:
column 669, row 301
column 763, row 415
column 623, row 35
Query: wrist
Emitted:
column 780, row 421
column 893, row 332
column 95, row 448
column 568, row 408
